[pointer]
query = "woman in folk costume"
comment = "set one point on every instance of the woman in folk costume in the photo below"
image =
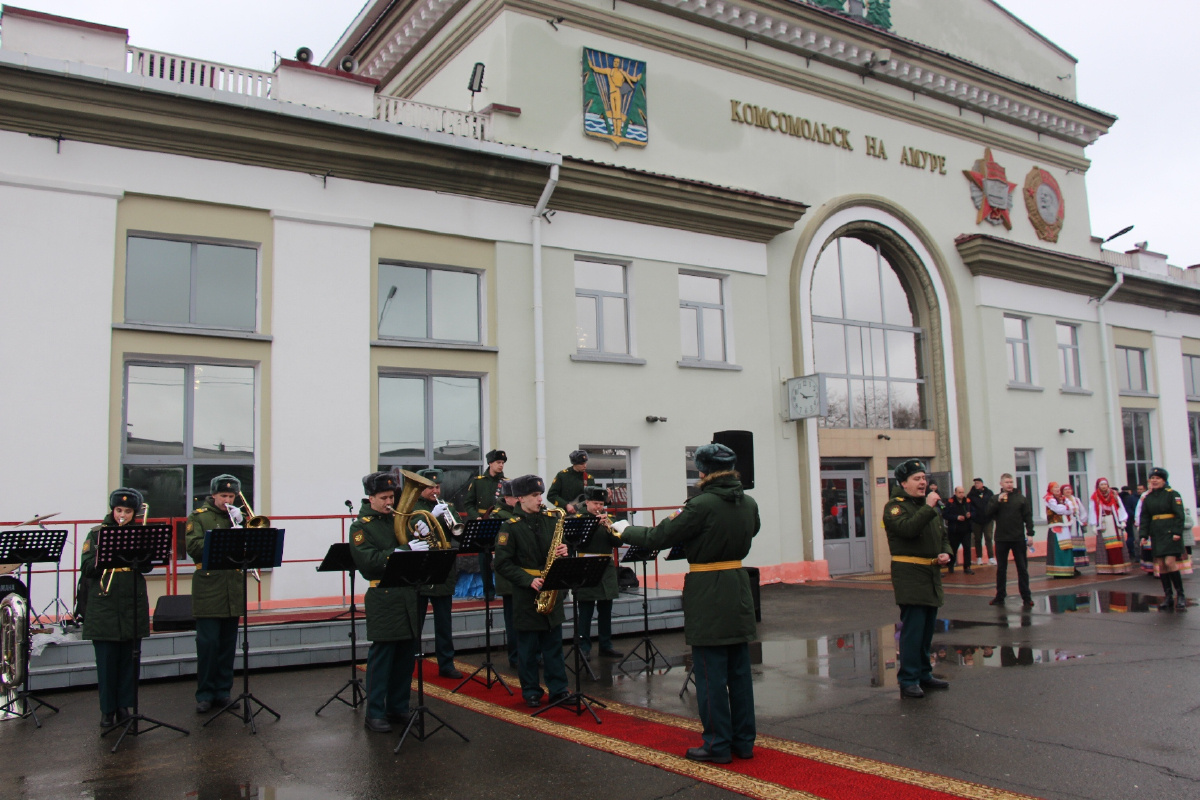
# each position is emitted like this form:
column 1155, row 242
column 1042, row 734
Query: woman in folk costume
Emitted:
column 1078, row 526
column 1107, row 515
column 1060, row 560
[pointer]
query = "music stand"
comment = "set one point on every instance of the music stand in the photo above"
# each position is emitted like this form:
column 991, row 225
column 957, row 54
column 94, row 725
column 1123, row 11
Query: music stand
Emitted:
column 244, row 549
column 576, row 573
column 134, row 548
column 677, row 553
column 29, row 548
column 339, row 559
column 410, row 569
column 576, row 532
column 638, row 554
column 479, row 536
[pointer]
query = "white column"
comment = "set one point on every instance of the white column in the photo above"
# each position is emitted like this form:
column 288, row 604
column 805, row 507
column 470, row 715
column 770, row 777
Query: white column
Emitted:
column 1175, row 449
column 56, row 305
column 320, row 387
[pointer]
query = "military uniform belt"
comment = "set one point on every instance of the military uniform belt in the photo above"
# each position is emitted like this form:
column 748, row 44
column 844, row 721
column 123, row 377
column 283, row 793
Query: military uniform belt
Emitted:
column 914, row 560
column 127, row 569
column 715, row 566
column 537, row 573
column 374, row 584
column 1163, row 516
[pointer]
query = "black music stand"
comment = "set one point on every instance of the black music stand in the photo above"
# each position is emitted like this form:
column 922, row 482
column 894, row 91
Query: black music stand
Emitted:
column 638, row 554
column 576, row 573
column 244, row 549
column 676, row 553
column 479, row 536
column 134, row 548
column 413, row 568
column 339, row 559
column 577, row 531
column 29, row 548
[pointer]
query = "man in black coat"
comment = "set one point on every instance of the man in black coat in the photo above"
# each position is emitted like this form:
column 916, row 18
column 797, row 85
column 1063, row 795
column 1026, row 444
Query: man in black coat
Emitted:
column 1013, row 514
column 1129, row 499
column 956, row 513
column 981, row 526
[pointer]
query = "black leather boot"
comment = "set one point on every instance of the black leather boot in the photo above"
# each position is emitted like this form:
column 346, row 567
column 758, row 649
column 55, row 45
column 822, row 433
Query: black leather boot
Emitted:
column 1180, row 602
column 1168, row 603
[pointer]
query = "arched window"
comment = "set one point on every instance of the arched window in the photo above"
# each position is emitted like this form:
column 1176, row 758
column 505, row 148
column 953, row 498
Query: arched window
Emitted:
column 865, row 339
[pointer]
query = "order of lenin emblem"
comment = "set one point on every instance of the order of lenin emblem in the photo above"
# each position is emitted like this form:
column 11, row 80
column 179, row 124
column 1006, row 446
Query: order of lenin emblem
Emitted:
column 614, row 98
column 1044, row 202
column 990, row 191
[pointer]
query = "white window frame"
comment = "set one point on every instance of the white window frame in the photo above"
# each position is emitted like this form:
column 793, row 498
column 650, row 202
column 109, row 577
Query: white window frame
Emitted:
column 1148, row 463
column 701, row 358
column 1012, row 345
column 427, row 460
column 430, row 268
column 1191, row 376
column 596, row 294
column 1029, row 483
column 1123, row 353
column 1080, row 480
column 1069, row 352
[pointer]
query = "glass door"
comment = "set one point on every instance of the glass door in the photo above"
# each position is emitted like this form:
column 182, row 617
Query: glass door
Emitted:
column 845, row 521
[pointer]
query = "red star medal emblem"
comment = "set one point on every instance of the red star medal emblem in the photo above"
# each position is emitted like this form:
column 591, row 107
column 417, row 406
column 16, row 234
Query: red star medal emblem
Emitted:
column 991, row 191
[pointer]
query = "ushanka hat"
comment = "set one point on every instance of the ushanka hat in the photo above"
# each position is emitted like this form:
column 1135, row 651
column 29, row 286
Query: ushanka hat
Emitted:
column 126, row 498
column 505, row 489
column 496, row 455
column 526, row 484
column 712, row 458
column 378, row 482
column 433, row 475
column 906, row 469
column 578, row 457
column 596, row 493
column 1159, row 472
column 224, row 484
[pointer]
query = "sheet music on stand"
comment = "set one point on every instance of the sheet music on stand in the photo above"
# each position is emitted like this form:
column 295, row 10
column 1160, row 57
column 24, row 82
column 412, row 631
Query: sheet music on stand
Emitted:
column 577, row 530
column 479, row 534
column 635, row 553
column 417, row 567
column 31, row 546
column 243, row 548
column 118, row 547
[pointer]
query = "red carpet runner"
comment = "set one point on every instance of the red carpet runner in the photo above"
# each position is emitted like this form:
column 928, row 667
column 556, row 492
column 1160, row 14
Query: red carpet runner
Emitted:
column 780, row 769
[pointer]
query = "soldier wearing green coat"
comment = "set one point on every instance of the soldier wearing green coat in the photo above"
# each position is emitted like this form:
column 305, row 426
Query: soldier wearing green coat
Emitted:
column 217, row 601
column 570, row 482
column 118, row 612
column 393, row 624
column 439, row 595
column 521, row 552
column 503, row 586
column 601, row 542
column 482, row 492
column 919, row 546
column 716, row 529
column 1161, row 521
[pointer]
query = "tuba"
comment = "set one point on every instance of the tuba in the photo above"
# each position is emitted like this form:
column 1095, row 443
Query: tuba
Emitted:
column 548, row 598
column 14, row 641
column 403, row 522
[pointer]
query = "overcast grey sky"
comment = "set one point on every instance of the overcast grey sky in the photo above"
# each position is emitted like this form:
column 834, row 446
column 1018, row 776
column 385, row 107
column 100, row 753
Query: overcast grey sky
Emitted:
column 1131, row 63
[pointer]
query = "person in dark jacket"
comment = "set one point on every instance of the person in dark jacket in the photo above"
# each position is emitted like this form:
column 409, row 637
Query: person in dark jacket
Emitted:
column 981, row 527
column 957, row 514
column 919, row 547
column 117, row 613
column 1130, row 501
column 716, row 529
column 1013, row 514
column 1161, row 523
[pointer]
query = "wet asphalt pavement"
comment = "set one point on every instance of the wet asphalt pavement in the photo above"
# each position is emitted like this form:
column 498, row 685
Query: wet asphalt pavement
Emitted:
column 1093, row 694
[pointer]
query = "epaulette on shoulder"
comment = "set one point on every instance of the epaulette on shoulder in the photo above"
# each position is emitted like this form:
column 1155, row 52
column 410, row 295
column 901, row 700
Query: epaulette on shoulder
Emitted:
column 201, row 510
column 511, row 521
column 365, row 519
column 565, row 471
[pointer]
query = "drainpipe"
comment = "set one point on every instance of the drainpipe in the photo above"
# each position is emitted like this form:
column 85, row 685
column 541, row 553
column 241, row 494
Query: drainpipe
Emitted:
column 539, row 342
column 1110, row 400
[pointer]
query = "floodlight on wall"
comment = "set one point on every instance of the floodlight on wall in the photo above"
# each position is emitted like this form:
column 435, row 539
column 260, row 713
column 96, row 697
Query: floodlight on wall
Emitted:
column 475, row 85
column 1121, row 232
column 304, row 55
column 1066, row 430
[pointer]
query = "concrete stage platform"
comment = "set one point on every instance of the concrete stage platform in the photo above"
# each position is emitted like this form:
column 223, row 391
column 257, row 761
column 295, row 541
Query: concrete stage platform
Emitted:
column 71, row 663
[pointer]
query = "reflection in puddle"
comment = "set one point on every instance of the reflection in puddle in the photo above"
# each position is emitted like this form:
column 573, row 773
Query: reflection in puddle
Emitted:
column 1001, row 655
column 245, row 791
column 1101, row 602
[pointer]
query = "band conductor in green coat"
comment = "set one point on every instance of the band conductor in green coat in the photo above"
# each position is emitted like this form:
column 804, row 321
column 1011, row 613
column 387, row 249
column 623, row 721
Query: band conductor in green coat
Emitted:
column 716, row 529
column 919, row 545
column 118, row 612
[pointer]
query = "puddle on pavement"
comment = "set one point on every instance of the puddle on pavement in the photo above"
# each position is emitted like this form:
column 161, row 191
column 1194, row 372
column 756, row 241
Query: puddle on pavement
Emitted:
column 1001, row 655
column 232, row 790
column 1101, row 602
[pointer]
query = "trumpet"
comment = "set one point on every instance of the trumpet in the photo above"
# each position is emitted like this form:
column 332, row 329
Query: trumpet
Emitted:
column 106, row 577
column 253, row 521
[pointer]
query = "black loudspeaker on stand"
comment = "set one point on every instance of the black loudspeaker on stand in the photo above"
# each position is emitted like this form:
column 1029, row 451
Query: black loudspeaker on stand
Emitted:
column 479, row 536
column 645, row 651
column 244, row 549
column 742, row 444
column 339, row 559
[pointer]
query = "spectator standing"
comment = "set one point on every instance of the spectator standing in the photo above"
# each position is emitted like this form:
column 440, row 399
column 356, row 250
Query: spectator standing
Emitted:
column 1060, row 560
column 981, row 525
column 1129, row 503
column 956, row 513
column 1013, row 515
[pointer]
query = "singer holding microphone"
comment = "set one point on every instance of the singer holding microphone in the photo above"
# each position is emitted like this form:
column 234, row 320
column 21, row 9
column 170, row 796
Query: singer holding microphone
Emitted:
column 1013, row 514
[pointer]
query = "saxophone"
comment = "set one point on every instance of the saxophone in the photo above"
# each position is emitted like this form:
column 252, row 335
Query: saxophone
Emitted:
column 548, row 598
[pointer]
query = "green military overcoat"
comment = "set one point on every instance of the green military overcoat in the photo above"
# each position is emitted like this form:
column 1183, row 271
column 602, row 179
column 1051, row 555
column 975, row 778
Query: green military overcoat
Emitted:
column 111, row 616
column 503, row 585
column 481, row 494
column 1162, row 520
column 446, row 587
column 567, row 486
column 601, row 542
column 391, row 613
column 717, row 525
column 523, row 544
column 915, row 530
column 215, row 592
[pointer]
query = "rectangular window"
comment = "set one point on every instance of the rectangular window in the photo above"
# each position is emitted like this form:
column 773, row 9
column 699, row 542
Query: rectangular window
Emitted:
column 1138, row 457
column 1077, row 473
column 430, row 303
column 1194, row 435
column 171, row 282
column 702, row 317
column 1016, row 338
column 184, row 425
column 1068, row 356
column 1191, row 376
column 691, row 474
column 432, row 421
column 601, row 308
column 1131, row 369
column 1026, row 476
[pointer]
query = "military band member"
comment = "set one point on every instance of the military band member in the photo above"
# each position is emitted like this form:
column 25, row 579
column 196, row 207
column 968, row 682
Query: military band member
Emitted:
column 482, row 492
column 439, row 595
column 503, row 586
column 716, row 529
column 392, row 620
column 602, row 541
column 1160, row 520
column 570, row 482
column 521, row 551
column 217, row 600
column 118, row 612
column 919, row 546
